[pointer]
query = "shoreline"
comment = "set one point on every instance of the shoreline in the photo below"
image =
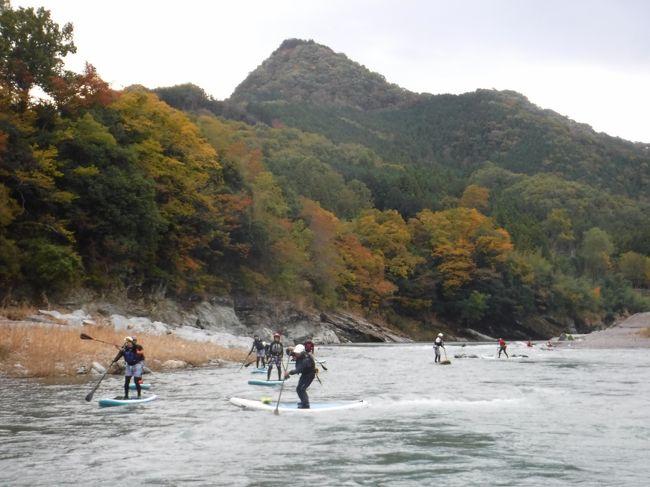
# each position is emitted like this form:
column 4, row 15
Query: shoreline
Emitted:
column 633, row 332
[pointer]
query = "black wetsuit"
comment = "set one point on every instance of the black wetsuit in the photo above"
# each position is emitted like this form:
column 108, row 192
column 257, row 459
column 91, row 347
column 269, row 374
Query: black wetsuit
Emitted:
column 306, row 367
column 258, row 345
column 275, row 358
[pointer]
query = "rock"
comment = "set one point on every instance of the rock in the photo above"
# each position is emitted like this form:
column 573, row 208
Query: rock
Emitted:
column 76, row 318
column 82, row 369
column 174, row 364
column 356, row 329
column 98, row 368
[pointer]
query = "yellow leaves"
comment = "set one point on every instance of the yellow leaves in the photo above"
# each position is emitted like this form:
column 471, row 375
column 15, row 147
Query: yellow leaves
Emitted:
column 457, row 264
column 475, row 196
column 462, row 239
column 387, row 234
column 86, row 171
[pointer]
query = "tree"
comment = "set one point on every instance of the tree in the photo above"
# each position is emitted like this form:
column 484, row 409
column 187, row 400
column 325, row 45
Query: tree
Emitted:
column 32, row 48
column 475, row 196
column 635, row 267
column 597, row 247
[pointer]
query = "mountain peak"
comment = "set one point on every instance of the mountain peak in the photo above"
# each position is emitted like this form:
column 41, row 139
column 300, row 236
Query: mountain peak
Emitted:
column 307, row 72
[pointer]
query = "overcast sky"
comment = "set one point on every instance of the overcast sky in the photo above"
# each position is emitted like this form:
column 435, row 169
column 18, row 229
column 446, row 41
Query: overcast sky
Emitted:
column 586, row 59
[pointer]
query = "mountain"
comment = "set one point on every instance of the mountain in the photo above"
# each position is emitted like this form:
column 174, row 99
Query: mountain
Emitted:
column 308, row 86
column 307, row 72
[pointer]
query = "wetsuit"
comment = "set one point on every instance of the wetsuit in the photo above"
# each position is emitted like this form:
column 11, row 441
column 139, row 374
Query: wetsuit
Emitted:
column 436, row 347
column 275, row 358
column 134, row 358
column 259, row 347
column 306, row 367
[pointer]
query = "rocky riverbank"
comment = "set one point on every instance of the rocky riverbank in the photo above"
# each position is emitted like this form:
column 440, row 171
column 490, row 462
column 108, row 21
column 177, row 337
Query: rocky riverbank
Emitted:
column 633, row 332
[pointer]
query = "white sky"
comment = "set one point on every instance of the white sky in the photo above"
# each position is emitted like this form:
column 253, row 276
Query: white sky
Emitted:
column 586, row 59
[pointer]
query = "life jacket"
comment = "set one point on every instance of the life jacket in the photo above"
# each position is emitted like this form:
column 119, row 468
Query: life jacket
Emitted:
column 258, row 344
column 502, row 343
column 133, row 355
column 276, row 348
column 437, row 342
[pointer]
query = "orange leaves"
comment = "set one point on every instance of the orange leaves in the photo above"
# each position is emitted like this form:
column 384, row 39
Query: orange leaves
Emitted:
column 463, row 240
column 81, row 91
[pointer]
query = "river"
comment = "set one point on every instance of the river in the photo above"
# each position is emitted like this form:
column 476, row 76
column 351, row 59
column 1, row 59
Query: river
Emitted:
column 561, row 417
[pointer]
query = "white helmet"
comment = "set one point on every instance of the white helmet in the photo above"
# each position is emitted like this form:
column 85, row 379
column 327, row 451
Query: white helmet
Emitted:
column 440, row 335
column 298, row 349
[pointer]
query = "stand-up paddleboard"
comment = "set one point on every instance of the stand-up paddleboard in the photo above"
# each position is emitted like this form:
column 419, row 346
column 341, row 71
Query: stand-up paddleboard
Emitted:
column 260, row 382
column 292, row 407
column 259, row 370
column 142, row 386
column 119, row 401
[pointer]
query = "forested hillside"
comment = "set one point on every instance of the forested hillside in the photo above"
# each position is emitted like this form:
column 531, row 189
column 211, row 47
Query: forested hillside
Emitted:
column 317, row 182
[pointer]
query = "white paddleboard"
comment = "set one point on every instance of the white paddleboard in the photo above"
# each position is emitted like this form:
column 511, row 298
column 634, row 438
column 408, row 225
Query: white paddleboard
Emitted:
column 292, row 407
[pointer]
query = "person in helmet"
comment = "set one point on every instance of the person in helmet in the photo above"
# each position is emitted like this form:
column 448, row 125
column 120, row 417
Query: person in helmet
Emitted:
column 276, row 350
column 260, row 353
column 502, row 347
column 438, row 343
column 133, row 355
column 306, row 367
column 309, row 345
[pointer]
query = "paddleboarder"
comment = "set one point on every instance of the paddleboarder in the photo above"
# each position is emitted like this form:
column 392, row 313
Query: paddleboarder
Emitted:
column 309, row 345
column 437, row 345
column 502, row 347
column 260, row 353
column 133, row 355
column 276, row 350
column 306, row 367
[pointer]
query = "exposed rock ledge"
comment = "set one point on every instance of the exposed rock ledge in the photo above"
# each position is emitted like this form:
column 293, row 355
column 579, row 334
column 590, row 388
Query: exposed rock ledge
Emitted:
column 229, row 322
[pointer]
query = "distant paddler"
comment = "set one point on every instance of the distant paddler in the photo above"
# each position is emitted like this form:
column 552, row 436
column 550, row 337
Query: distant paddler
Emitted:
column 437, row 345
column 276, row 350
column 502, row 347
column 258, row 346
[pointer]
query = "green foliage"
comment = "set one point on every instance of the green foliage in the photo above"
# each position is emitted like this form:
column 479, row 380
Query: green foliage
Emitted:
column 51, row 266
column 32, row 48
column 477, row 210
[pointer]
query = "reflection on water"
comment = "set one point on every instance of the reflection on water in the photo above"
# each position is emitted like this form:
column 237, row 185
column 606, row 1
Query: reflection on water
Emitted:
column 554, row 418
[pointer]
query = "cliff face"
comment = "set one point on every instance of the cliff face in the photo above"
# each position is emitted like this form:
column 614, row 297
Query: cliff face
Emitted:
column 232, row 322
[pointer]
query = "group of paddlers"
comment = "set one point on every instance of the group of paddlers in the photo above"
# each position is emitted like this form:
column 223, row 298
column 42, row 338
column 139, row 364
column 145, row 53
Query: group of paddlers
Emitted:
column 271, row 354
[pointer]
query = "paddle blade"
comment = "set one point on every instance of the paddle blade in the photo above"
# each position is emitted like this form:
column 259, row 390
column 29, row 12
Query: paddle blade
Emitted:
column 83, row 336
column 89, row 396
column 276, row 412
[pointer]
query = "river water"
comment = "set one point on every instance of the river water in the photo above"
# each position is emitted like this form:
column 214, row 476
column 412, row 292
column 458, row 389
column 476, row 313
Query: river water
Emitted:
column 561, row 417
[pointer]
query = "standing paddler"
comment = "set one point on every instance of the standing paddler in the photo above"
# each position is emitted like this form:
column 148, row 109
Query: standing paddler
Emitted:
column 437, row 345
column 133, row 355
column 276, row 350
column 306, row 367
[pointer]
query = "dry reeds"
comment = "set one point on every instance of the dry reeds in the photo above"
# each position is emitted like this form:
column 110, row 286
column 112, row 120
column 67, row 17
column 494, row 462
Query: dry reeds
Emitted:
column 645, row 333
column 33, row 350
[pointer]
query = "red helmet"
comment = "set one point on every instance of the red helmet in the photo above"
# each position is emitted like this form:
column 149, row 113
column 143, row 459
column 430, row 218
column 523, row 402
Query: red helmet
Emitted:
column 276, row 334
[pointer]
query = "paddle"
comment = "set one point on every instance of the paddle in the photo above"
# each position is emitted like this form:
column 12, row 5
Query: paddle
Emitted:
column 244, row 362
column 89, row 396
column 83, row 336
column 276, row 411
column 321, row 364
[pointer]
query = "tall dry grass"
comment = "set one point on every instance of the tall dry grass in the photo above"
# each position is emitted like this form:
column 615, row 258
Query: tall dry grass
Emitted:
column 645, row 333
column 32, row 350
